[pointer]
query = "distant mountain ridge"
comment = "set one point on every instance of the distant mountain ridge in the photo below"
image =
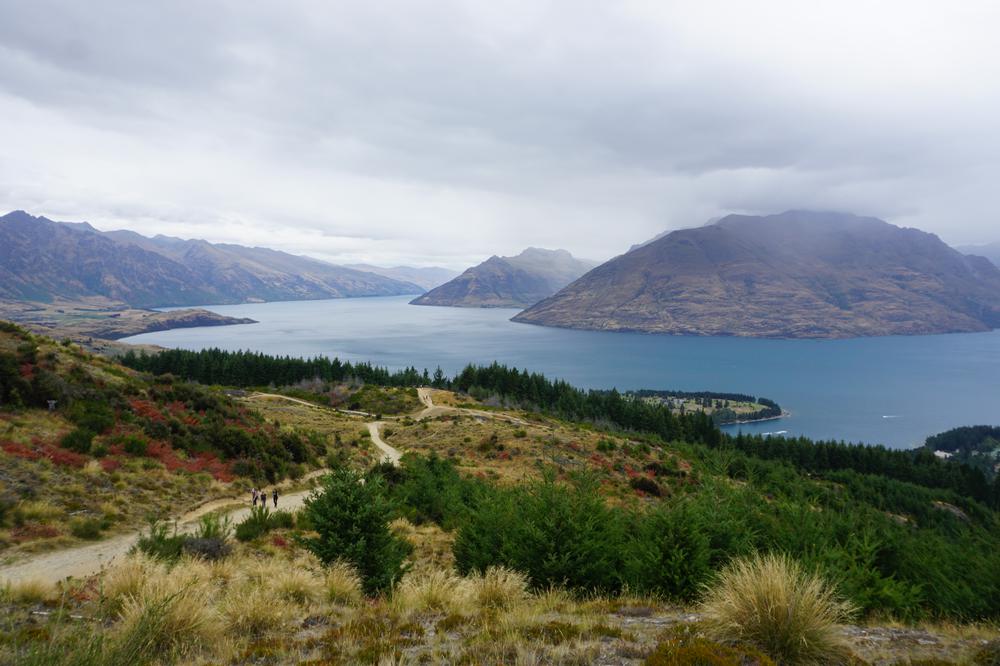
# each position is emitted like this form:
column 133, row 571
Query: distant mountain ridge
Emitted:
column 796, row 274
column 425, row 277
column 502, row 282
column 41, row 259
column 991, row 251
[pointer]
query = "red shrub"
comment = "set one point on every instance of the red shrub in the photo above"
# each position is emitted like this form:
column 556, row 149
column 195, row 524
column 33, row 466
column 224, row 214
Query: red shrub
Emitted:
column 279, row 541
column 110, row 464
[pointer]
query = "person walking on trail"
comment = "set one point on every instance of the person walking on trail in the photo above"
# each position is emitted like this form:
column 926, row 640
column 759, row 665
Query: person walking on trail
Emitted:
column 253, row 494
column 274, row 496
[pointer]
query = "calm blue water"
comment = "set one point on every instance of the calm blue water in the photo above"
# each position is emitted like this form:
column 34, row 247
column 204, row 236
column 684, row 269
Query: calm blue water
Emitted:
column 894, row 391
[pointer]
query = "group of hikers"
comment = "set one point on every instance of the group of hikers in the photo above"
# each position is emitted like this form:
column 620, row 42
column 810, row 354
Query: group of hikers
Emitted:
column 261, row 495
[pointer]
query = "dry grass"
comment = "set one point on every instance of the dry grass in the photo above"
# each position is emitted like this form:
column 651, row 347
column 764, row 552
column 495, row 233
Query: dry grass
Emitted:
column 439, row 591
column 342, row 584
column 499, row 588
column 28, row 592
column 254, row 611
column 771, row 603
column 185, row 619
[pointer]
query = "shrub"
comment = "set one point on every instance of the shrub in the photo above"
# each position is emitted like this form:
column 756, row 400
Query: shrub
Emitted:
column 770, row 603
column 211, row 548
column 96, row 417
column 667, row 553
column 214, row 526
column 254, row 525
column 86, row 528
column 499, row 588
column 430, row 489
column 554, row 533
column 646, row 485
column 159, row 543
column 78, row 440
column 435, row 591
column 135, row 445
column 352, row 522
column 606, row 446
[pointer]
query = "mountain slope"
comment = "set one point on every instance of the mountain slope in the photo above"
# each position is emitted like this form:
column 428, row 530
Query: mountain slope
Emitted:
column 425, row 277
column 991, row 251
column 41, row 259
column 797, row 274
column 507, row 282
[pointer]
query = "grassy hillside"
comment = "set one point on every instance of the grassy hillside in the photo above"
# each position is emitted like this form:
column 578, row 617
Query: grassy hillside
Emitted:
column 509, row 534
column 118, row 446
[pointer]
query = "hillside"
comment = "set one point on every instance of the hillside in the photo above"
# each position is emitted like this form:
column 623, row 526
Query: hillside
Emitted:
column 426, row 277
column 509, row 282
column 41, row 260
column 799, row 274
column 569, row 526
column 991, row 251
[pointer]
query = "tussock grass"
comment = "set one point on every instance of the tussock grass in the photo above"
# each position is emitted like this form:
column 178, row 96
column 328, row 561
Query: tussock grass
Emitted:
column 440, row 591
column 298, row 586
column 254, row 611
column 499, row 588
column 172, row 619
column 342, row 584
column 771, row 603
column 28, row 592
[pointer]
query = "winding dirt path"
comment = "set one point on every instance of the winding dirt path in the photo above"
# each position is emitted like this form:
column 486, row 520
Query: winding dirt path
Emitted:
column 431, row 410
column 391, row 455
column 82, row 561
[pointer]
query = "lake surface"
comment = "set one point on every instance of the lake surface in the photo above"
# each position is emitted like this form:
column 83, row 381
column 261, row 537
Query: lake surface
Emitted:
column 894, row 391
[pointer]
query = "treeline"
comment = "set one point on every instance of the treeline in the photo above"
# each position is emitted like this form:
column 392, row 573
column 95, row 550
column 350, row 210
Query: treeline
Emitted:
column 528, row 390
column 917, row 466
column 966, row 438
column 247, row 368
column 534, row 391
column 722, row 414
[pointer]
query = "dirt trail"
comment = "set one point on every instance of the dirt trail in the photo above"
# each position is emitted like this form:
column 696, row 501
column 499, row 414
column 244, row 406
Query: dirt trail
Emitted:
column 87, row 560
column 82, row 561
column 431, row 410
column 391, row 455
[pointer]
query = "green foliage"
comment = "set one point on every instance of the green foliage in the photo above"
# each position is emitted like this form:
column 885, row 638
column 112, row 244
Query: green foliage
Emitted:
column 160, row 542
column 351, row 519
column 668, row 552
column 554, row 533
column 87, row 528
column 429, row 489
column 262, row 520
column 78, row 440
column 214, row 526
column 135, row 445
column 91, row 415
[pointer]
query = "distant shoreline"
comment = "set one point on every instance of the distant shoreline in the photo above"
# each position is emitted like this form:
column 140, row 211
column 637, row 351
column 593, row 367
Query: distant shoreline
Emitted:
column 784, row 414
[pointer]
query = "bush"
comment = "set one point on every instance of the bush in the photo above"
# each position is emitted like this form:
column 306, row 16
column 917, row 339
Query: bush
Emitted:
column 667, row 553
column 79, row 440
column 556, row 534
column 160, row 543
column 86, row 528
column 646, row 485
column 254, row 525
column 207, row 548
column 352, row 522
column 96, row 417
column 770, row 603
column 430, row 489
column 214, row 526
column 135, row 445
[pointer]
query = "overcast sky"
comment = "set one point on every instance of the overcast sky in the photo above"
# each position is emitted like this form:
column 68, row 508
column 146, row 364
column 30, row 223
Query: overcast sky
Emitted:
column 438, row 133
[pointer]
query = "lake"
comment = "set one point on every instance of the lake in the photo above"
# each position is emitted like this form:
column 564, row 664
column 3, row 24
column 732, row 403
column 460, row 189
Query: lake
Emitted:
column 894, row 390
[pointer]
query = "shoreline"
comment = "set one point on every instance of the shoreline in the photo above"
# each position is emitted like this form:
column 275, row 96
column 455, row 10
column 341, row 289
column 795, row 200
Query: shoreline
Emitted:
column 784, row 414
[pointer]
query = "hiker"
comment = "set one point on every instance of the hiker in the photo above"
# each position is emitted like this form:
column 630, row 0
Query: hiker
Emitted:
column 253, row 494
column 274, row 496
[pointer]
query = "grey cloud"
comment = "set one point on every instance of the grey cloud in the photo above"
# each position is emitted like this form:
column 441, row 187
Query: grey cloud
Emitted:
column 448, row 131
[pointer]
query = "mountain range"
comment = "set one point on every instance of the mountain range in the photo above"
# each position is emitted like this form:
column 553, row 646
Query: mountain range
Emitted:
column 509, row 282
column 41, row 260
column 796, row 274
column 424, row 277
column 991, row 251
